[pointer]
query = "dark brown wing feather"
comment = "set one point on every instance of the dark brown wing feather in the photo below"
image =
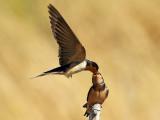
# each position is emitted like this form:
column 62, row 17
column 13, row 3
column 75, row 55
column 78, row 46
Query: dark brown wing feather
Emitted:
column 70, row 49
column 91, row 88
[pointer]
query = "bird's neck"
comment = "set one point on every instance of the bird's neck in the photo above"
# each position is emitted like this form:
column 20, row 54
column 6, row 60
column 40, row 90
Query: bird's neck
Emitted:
column 98, row 81
column 99, row 86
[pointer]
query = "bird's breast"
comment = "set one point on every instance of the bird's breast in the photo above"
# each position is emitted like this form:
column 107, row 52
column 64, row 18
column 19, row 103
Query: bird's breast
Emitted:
column 97, row 96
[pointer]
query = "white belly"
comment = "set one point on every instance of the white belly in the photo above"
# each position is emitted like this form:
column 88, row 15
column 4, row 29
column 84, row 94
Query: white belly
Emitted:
column 76, row 68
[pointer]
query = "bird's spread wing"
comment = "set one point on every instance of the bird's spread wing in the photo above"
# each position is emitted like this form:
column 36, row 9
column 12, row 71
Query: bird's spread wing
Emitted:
column 70, row 48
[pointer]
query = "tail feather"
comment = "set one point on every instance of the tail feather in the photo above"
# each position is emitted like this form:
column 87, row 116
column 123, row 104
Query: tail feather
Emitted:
column 40, row 75
column 57, row 70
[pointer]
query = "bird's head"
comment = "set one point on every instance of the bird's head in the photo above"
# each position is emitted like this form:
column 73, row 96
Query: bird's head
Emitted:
column 92, row 66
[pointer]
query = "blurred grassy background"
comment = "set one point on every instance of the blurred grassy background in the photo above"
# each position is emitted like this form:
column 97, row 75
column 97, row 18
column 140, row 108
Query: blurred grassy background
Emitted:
column 122, row 36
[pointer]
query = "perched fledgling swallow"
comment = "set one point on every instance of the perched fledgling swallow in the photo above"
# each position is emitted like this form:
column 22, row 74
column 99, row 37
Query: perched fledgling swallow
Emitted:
column 97, row 93
column 72, row 54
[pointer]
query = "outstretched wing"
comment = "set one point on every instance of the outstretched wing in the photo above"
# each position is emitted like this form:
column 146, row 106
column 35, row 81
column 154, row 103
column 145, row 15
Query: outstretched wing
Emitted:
column 70, row 48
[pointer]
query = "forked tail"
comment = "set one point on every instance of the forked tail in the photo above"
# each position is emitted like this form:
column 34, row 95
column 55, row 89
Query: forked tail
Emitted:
column 59, row 70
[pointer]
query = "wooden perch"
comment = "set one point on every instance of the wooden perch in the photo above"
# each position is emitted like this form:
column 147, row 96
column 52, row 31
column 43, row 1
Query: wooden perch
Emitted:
column 95, row 112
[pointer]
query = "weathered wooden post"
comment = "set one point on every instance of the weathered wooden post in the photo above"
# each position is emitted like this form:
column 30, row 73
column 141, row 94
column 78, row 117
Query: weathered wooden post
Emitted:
column 95, row 112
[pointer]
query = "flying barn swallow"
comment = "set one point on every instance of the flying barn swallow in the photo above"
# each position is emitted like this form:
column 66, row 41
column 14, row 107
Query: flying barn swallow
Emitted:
column 72, row 54
column 97, row 93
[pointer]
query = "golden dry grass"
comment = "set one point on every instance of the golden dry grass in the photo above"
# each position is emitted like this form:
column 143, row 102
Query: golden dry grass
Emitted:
column 122, row 36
